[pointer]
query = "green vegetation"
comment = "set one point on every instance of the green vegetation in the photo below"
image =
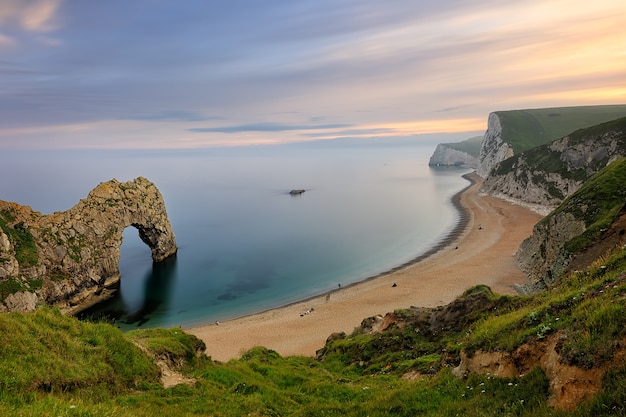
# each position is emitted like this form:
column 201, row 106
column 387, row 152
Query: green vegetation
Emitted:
column 46, row 354
column 598, row 202
column 55, row 365
column 586, row 309
column 168, row 343
column 21, row 238
column 13, row 285
column 10, row 286
column 470, row 146
column 526, row 129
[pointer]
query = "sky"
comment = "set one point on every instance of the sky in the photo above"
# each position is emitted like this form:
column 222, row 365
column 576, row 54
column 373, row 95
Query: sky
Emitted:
column 139, row 74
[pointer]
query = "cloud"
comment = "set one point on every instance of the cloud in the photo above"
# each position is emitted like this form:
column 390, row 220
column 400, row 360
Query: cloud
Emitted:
column 352, row 132
column 6, row 41
column 31, row 15
column 171, row 115
column 314, row 68
column 266, row 127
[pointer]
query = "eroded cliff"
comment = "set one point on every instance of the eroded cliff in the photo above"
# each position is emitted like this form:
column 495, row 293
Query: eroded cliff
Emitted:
column 544, row 176
column 591, row 219
column 70, row 259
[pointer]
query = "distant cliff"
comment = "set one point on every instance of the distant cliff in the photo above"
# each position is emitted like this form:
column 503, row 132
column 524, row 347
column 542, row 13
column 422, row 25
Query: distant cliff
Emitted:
column 70, row 259
column 457, row 154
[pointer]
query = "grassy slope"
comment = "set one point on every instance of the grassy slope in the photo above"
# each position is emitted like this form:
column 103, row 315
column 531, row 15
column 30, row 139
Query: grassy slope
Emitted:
column 597, row 202
column 525, row 129
column 54, row 365
column 470, row 146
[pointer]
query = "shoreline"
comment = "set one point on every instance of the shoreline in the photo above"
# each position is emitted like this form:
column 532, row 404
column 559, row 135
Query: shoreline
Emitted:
column 428, row 280
column 453, row 236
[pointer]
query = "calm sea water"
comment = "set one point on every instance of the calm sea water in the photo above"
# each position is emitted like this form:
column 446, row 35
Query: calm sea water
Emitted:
column 245, row 244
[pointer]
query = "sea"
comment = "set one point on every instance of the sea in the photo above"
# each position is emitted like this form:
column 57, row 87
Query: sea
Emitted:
column 245, row 244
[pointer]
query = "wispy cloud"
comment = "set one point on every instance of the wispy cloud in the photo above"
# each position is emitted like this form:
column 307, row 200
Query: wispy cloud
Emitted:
column 31, row 15
column 266, row 127
column 172, row 115
column 352, row 133
column 321, row 69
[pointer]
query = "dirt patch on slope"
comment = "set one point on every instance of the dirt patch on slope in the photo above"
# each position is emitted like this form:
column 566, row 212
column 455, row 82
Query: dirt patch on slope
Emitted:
column 569, row 385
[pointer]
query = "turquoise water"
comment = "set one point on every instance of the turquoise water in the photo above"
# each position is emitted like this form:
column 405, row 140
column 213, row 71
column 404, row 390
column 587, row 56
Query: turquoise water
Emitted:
column 245, row 244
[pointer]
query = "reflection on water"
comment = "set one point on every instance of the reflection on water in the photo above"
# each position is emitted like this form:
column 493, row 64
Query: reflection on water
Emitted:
column 157, row 285
column 157, row 290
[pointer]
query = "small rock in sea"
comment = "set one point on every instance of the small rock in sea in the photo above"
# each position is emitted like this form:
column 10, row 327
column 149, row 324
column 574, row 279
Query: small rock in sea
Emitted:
column 296, row 192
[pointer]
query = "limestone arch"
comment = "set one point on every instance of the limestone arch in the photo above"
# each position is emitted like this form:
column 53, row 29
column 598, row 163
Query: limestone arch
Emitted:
column 85, row 240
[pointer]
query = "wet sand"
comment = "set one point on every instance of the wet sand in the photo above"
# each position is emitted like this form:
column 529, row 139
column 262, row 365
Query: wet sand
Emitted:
column 479, row 251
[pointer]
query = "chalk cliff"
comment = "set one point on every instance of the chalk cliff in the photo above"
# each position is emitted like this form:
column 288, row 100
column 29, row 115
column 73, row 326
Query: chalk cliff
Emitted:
column 587, row 225
column 494, row 149
column 543, row 177
column 70, row 259
column 447, row 156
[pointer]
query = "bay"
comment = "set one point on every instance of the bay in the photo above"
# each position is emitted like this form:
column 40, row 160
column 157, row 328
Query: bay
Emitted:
column 246, row 244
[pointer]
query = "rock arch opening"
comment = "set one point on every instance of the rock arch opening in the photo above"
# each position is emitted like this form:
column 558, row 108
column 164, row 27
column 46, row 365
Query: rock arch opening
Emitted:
column 78, row 250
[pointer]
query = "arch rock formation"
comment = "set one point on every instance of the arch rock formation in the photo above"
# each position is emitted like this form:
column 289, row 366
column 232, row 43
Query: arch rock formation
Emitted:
column 71, row 259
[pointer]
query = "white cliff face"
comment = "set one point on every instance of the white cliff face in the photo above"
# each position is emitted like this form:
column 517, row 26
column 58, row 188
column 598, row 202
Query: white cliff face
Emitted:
column 493, row 150
column 543, row 186
column 537, row 190
column 445, row 156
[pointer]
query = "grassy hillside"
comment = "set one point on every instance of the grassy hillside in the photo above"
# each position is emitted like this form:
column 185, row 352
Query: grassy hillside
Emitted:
column 525, row 129
column 54, row 365
column 470, row 146
column 598, row 202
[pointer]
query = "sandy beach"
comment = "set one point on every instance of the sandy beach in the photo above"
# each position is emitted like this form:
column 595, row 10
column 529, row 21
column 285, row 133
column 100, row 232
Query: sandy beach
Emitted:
column 482, row 253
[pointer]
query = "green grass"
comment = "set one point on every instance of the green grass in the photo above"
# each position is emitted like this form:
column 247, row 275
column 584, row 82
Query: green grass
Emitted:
column 526, row 129
column 171, row 344
column 21, row 238
column 597, row 203
column 53, row 365
column 47, row 352
column 587, row 308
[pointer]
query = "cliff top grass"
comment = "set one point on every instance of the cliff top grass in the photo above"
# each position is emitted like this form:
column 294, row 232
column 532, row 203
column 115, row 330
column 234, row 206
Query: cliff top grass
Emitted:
column 470, row 146
column 56, row 365
column 526, row 129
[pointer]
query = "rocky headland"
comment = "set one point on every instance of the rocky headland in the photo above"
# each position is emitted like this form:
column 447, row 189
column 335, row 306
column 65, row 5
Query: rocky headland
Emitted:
column 447, row 156
column 463, row 153
column 70, row 259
